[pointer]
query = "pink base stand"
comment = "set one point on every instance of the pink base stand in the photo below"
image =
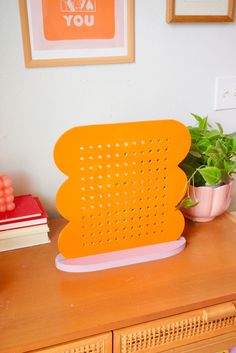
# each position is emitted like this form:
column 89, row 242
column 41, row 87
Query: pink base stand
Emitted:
column 120, row 258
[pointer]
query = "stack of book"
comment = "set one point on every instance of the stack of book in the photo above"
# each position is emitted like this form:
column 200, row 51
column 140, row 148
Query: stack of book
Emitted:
column 24, row 226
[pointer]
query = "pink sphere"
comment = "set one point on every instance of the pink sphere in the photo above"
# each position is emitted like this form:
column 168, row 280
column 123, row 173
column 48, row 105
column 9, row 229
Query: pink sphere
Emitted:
column 10, row 206
column 6, row 194
column 9, row 199
column 2, row 208
column 6, row 181
column 8, row 190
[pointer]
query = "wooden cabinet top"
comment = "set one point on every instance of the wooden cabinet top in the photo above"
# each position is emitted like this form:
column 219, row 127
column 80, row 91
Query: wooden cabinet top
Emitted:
column 41, row 306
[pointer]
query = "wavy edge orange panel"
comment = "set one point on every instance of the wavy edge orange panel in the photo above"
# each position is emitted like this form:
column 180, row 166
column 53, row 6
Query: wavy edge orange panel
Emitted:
column 123, row 185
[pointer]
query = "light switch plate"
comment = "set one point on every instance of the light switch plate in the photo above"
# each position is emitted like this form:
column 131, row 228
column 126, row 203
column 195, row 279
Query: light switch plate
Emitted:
column 225, row 93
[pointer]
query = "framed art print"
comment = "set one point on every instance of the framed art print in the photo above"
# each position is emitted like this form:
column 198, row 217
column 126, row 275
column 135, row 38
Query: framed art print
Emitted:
column 77, row 32
column 200, row 10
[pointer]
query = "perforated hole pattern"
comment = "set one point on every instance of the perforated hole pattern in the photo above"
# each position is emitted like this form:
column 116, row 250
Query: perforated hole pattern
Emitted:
column 123, row 185
column 123, row 190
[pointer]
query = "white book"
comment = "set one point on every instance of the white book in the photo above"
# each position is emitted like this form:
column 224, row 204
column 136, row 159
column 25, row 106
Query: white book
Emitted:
column 23, row 241
column 22, row 224
column 13, row 233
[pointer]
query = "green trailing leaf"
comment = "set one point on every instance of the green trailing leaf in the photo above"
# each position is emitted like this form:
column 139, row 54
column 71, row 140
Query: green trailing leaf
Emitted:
column 233, row 144
column 195, row 153
column 211, row 149
column 212, row 156
column 203, row 125
column 197, row 180
column 187, row 202
column 195, row 134
column 211, row 175
column 230, row 166
column 217, row 161
column 212, row 134
column 190, row 165
column 221, row 147
column 203, row 144
column 197, row 117
column 210, row 162
column 220, row 128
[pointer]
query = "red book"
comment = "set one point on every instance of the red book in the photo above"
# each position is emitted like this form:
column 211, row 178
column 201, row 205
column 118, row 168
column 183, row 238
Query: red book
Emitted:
column 27, row 207
column 22, row 223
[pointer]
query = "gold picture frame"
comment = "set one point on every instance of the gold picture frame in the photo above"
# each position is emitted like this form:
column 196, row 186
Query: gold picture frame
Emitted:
column 41, row 52
column 199, row 11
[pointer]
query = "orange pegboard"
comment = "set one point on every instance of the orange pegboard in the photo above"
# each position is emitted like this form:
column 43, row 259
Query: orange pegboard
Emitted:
column 123, row 185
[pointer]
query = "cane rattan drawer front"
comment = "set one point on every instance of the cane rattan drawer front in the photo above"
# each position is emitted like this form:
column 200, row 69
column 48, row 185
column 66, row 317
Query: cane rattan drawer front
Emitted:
column 175, row 331
column 94, row 344
column 210, row 345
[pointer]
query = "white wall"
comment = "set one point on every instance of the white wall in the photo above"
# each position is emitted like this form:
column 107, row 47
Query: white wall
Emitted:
column 173, row 74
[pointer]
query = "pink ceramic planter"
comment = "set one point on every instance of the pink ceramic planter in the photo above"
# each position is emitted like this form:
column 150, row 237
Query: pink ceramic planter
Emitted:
column 213, row 201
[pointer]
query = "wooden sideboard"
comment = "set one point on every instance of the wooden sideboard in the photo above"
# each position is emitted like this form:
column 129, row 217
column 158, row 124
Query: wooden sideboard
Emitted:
column 186, row 303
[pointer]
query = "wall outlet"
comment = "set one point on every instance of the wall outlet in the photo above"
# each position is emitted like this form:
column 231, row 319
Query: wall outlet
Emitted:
column 225, row 93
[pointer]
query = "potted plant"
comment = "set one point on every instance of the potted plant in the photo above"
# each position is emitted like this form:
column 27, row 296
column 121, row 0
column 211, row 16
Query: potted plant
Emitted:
column 209, row 167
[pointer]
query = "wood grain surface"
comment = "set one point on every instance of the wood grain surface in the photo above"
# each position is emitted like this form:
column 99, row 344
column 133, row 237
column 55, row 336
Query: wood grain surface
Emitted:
column 171, row 17
column 31, row 62
column 41, row 306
